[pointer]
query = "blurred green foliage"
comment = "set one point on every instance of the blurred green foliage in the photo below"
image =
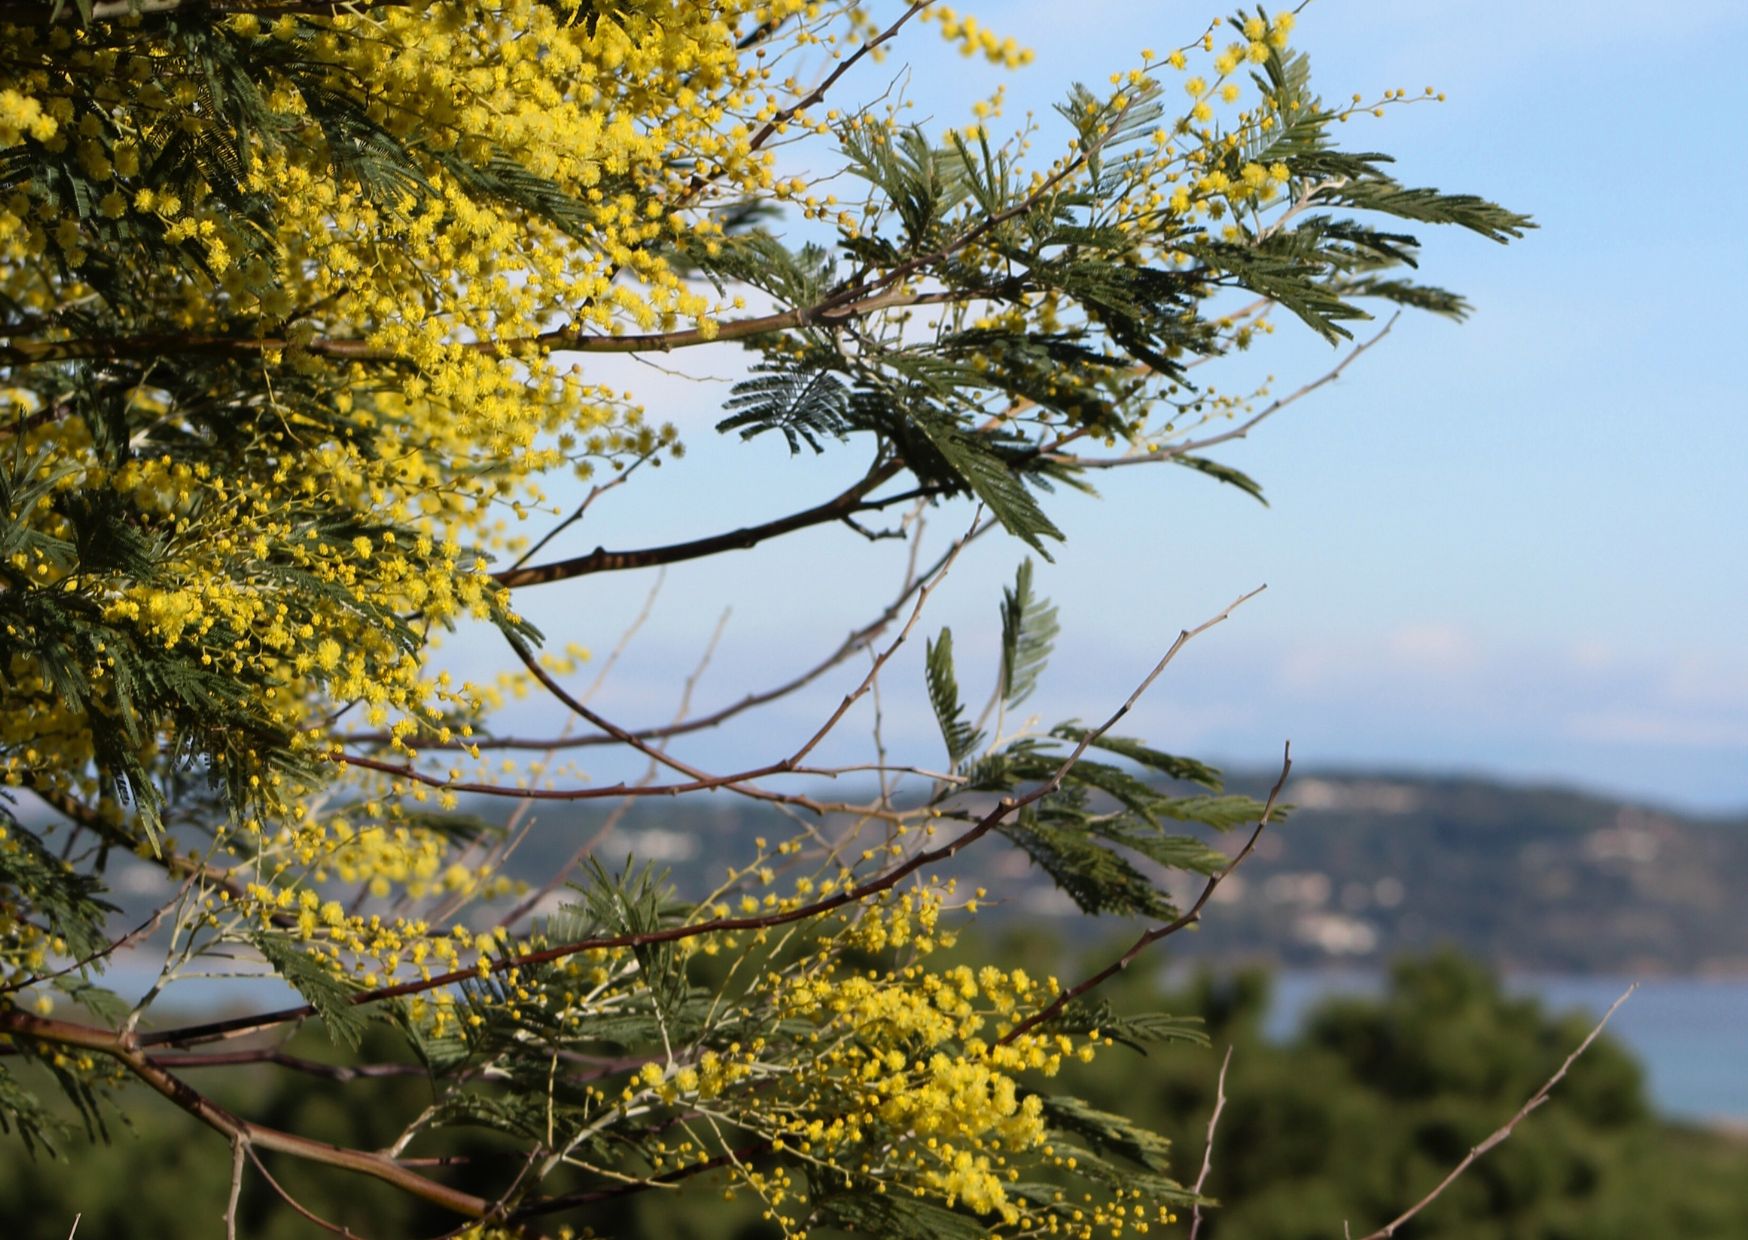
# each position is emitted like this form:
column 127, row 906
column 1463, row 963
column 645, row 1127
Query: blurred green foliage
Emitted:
column 1354, row 1119
column 1376, row 1099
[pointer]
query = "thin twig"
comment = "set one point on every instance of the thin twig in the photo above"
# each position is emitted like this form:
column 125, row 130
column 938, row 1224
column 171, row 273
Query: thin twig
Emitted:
column 1241, row 431
column 291, row 1201
column 1504, row 1130
column 698, row 780
column 847, row 503
column 140, row 931
column 595, row 493
column 1002, row 810
column 238, row 1144
column 1208, row 1149
column 818, row 93
column 562, row 874
column 857, row 640
column 273, row 1055
column 125, row 1048
column 631, row 631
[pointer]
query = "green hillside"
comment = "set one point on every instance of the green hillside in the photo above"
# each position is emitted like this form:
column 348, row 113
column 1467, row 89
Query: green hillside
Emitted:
column 1527, row 878
column 1366, row 866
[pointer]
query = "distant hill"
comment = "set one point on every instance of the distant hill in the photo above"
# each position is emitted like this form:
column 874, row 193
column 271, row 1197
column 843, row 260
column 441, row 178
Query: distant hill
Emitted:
column 1527, row 878
column 1366, row 866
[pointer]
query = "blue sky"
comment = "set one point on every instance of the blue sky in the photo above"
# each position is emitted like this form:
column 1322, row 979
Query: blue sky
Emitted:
column 1514, row 546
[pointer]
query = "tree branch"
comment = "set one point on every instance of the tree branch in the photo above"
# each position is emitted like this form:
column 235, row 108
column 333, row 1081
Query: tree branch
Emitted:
column 699, row 781
column 845, row 306
column 845, row 504
column 1241, row 431
column 191, row 1034
column 126, row 1050
column 1505, row 1130
column 857, row 639
column 1208, row 1149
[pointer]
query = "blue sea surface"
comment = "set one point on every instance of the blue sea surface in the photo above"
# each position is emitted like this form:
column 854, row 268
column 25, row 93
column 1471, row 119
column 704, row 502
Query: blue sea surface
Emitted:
column 1691, row 1034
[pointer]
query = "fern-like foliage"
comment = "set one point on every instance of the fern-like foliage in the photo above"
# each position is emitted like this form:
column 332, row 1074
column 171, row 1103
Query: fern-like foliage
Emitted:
column 806, row 407
column 1107, row 834
column 1028, row 635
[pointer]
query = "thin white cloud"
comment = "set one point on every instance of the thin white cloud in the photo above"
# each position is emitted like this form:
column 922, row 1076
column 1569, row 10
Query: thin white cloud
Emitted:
column 1436, row 648
column 1698, row 680
column 1631, row 727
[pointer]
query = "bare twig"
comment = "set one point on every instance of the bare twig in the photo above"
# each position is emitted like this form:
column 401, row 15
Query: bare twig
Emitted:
column 1208, row 1149
column 845, row 504
column 132, row 936
column 852, row 303
column 1242, row 430
column 1504, row 1130
column 1003, row 809
column 582, row 510
column 291, row 1201
column 238, row 1145
column 176, row 864
column 1300, row 205
column 562, row 875
column 698, row 780
column 631, row 631
column 857, row 640
column 39, row 12
column 849, row 302
column 818, row 93
column 297, row 1063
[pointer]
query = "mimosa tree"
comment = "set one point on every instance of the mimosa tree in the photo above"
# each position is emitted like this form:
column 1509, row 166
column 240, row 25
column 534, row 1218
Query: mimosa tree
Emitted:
column 300, row 303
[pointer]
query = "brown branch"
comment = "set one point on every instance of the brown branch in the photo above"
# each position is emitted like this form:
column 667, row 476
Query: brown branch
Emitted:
column 297, row 1063
column 109, row 949
column 1208, row 1149
column 191, row 1034
column 1157, row 933
column 1504, row 1130
column 291, row 1201
column 852, row 303
column 125, row 1049
column 238, row 1147
column 86, row 816
column 42, row 12
column 840, row 507
column 659, row 756
column 568, row 1201
column 582, row 510
column 858, row 639
column 739, row 782
column 562, row 875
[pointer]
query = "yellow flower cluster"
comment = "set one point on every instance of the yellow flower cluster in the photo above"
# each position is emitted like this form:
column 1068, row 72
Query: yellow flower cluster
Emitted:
column 336, row 521
column 909, row 1075
column 975, row 39
column 21, row 115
